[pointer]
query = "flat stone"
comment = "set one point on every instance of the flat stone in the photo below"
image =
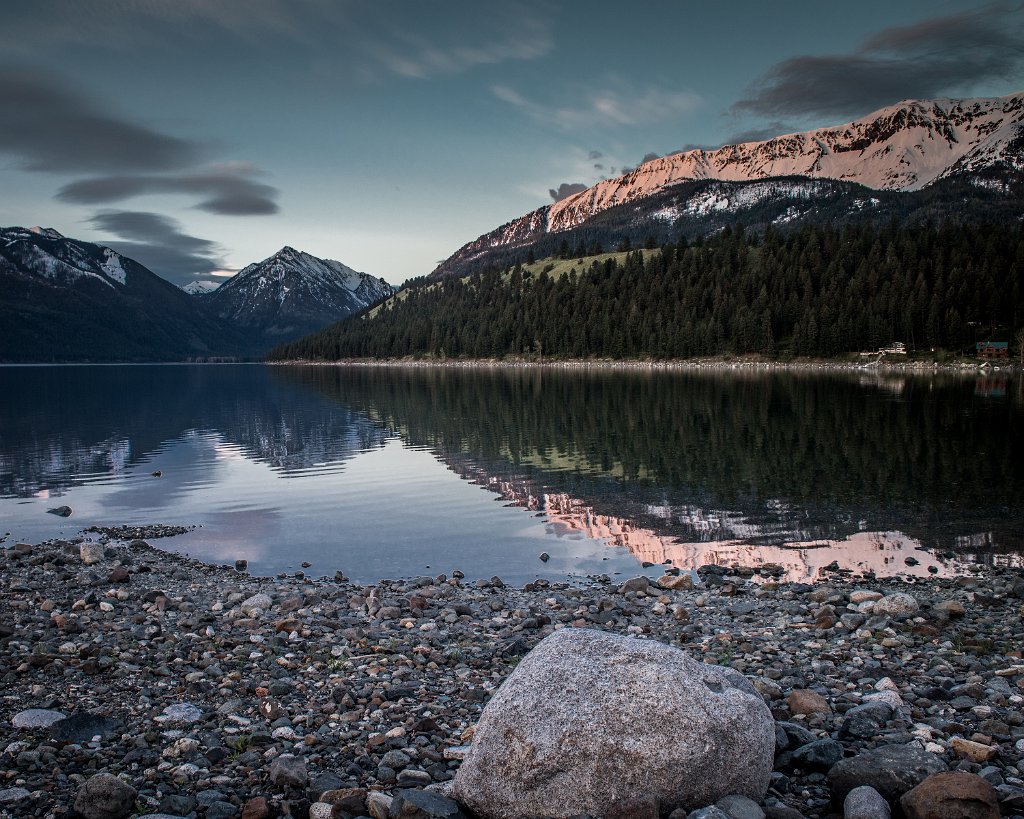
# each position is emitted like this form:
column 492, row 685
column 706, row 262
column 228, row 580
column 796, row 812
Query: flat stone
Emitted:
column 289, row 771
column 36, row 718
column 416, row 804
column 11, row 796
column 182, row 713
column 83, row 727
column 974, row 751
column 802, row 701
column 892, row 770
column 819, row 755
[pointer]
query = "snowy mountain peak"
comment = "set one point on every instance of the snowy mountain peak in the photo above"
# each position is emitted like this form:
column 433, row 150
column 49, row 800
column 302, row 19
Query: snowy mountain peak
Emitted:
column 293, row 290
column 200, row 287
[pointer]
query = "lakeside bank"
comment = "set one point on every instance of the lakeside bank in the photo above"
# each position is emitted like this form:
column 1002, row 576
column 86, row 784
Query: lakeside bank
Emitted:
column 215, row 693
column 892, row 365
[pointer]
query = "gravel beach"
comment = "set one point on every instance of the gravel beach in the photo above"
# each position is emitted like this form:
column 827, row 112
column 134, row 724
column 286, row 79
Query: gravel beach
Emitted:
column 207, row 692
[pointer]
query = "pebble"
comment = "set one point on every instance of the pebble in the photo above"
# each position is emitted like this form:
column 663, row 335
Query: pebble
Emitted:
column 36, row 718
column 377, row 687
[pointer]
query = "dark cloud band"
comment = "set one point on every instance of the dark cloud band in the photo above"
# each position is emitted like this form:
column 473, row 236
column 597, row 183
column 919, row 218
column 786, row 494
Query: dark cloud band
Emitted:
column 566, row 189
column 229, row 191
column 940, row 56
column 52, row 127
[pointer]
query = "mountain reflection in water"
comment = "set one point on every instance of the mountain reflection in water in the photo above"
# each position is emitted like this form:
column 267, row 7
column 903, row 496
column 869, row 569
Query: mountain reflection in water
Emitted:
column 799, row 470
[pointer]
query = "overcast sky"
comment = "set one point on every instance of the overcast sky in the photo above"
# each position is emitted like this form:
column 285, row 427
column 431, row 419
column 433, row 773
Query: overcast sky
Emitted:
column 201, row 135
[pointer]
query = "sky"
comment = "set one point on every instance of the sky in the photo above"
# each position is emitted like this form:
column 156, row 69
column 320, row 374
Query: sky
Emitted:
column 198, row 136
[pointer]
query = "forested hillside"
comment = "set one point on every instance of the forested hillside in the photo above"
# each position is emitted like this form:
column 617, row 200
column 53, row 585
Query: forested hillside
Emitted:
column 817, row 291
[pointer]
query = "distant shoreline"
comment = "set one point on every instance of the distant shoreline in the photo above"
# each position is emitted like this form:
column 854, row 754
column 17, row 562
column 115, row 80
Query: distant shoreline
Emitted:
column 965, row 367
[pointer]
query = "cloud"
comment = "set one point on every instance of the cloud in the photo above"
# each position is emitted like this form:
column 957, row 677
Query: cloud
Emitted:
column 228, row 188
column 385, row 37
column 158, row 243
column 566, row 189
column 51, row 126
column 944, row 55
column 615, row 105
column 595, row 155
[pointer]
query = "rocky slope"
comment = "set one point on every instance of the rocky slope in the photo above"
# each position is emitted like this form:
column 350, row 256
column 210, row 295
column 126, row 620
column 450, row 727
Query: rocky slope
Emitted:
column 903, row 148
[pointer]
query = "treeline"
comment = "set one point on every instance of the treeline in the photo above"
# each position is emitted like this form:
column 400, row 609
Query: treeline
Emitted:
column 817, row 291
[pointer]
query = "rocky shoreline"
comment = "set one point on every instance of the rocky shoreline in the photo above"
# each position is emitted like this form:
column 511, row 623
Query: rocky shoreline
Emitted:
column 205, row 692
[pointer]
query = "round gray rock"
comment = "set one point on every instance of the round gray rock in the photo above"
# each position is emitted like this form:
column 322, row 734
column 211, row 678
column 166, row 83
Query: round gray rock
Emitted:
column 589, row 720
column 865, row 802
column 105, row 797
column 898, row 604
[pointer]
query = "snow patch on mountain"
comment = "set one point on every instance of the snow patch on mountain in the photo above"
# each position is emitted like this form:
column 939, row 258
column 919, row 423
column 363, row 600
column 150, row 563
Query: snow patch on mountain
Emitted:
column 200, row 287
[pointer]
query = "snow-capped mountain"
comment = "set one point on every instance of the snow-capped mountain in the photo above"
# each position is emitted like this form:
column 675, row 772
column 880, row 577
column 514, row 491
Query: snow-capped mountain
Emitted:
column 200, row 287
column 902, row 148
column 66, row 300
column 293, row 293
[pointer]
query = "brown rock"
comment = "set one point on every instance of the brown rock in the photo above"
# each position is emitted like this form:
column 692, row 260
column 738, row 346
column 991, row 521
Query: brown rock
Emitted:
column 954, row 795
column 256, row 808
column 288, row 625
column 802, row 701
column 272, row 709
column 349, row 800
column 974, row 751
column 119, row 574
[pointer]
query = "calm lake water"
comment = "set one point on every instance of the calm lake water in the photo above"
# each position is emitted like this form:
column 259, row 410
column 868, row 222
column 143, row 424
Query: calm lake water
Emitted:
column 398, row 472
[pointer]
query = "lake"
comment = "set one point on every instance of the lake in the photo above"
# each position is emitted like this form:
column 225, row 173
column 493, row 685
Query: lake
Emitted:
column 395, row 472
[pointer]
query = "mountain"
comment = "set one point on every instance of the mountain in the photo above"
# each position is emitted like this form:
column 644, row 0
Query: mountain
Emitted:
column 200, row 287
column 918, row 159
column 66, row 300
column 293, row 293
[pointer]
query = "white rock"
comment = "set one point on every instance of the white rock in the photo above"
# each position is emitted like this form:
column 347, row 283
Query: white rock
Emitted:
column 589, row 719
column 91, row 553
column 36, row 718
column 897, row 604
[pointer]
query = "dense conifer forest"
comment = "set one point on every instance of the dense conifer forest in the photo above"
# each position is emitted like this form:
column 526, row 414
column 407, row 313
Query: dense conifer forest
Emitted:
column 817, row 291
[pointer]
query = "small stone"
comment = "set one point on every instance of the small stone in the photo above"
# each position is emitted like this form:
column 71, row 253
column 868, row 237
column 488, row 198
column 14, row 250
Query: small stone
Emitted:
column 865, row 802
column 710, row 812
column 545, row 557
column 12, row 796
column 184, row 713
column 863, row 596
column 91, row 553
column 378, row 804
column 256, row 808
column 105, row 797
column 820, row 755
column 119, row 574
column 974, row 751
column 739, row 807
column 289, row 771
column 675, row 582
column 952, row 608
column 899, row 604
column 636, row 584
column 60, row 511
column 416, row 804
column 802, row 701
column 953, row 795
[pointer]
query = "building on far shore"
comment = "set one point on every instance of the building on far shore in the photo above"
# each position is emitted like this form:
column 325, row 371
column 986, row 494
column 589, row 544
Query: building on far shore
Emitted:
column 993, row 349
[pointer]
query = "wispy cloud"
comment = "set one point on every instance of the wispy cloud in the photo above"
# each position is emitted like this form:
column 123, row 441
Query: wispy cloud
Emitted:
column 228, row 189
column 341, row 37
column 159, row 243
column 945, row 55
column 616, row 105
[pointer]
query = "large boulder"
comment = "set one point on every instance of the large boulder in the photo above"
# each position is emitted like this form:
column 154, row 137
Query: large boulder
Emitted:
column 953, row 795
column 892, row 770
column 104, row 796
column 590, row 720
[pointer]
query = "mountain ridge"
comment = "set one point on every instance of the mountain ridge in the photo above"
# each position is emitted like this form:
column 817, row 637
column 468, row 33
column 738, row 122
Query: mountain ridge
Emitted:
column 902, row 148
